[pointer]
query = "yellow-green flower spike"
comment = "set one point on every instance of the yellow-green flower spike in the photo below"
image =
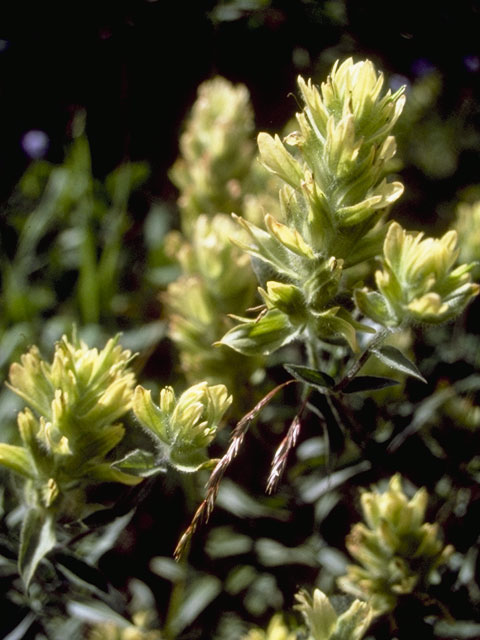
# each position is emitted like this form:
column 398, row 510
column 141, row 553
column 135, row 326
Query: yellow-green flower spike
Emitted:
column 419, row 282
column 396, row 551
column 184, row 427
column 335, row 193
column 68, row 431
column 216, row 152
column 276, row 630
column 323, row 623
column 336, row 187
column 217, row 280
column 71, row 424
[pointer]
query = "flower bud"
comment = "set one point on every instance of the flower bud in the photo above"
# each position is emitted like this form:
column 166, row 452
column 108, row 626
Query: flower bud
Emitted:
column 183, row 428
column 324, row 624
column 419, row 282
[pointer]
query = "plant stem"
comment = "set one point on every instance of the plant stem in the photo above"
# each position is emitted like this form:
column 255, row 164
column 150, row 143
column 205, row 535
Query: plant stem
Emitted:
column 362, row 359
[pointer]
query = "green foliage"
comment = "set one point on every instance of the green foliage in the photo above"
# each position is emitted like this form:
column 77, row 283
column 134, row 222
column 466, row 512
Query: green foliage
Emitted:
column 89, row 221
column 333, row 372
column 466, row 226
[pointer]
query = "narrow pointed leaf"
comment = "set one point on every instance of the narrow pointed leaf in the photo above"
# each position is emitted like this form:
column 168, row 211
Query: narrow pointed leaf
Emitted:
column 95, row 612
column 267, row 248
column 354, row 622
column 199, row 594
column 395, row 359
column 106, row 472
column 313, row 377
column 37, row 539
column 140, row 463
column 20, row 631
column 149, row 415
column 368, row 383
column 188, row 460
column 81, row 573
column 263, row 336
column 278, row 160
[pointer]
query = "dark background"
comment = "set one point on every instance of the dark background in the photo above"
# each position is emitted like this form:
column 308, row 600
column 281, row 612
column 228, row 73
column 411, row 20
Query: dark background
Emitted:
column 135, row 66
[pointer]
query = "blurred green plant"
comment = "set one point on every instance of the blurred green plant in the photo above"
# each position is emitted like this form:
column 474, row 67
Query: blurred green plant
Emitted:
column 88, row 221
column 396, row 550
column 466, row 224
column 216, row 174
column 217, row 279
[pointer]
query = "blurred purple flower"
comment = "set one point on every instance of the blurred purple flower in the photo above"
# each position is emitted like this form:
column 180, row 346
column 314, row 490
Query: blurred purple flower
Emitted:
column 472, row 63
column 422, row 67
column 35, row 143
column 397, row 80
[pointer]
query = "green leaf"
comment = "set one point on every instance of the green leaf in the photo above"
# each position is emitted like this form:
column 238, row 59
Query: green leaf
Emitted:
column 224, row 542
column 273, row 553
column 81, row 573
column 313, row 377
column 149, row 415
column 458, row 629
column 263, row 336
column 37, row 539
column 140, row 463
column 374, row 305
column 124, row 179
column 168, row 568
column 240, row 503
column 267, row 248
column 21, row 629
column 368, row 383
column 106, row 472
column 329, row 326
column 354, row 622
column 199, row 593
column 395, row 359
column 16, row 459
column 188, row 460
column 278, row 160
column 95, row 612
